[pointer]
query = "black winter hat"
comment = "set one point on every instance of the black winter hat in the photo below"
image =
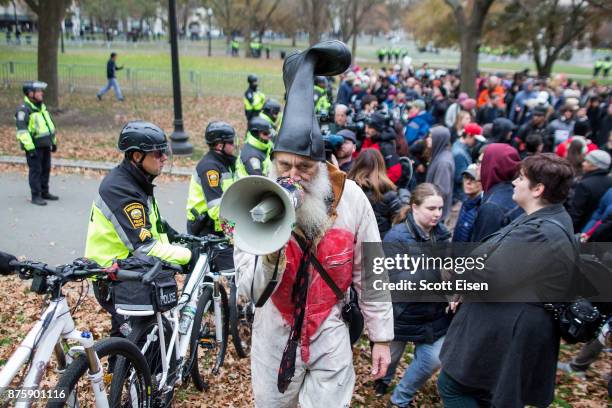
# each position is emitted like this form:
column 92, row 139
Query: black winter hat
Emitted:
column 377, row 121
column 300, row 133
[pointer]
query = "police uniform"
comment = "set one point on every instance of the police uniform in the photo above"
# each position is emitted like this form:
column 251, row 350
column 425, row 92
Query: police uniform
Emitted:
column 254, row 157
column 36, row 134
column 213, row 175
column 322, row 104
column 253, row 103
column 125, row 221
column 274, row 123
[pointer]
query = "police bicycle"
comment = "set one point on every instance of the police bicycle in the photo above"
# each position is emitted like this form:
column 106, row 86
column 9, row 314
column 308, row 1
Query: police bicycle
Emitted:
column 190, row 339
column 241, row 316
column 86, row 369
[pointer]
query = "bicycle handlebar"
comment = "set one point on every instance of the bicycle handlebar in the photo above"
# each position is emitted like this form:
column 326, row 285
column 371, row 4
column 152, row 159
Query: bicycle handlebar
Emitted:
column 72, row 273
column 205, row 240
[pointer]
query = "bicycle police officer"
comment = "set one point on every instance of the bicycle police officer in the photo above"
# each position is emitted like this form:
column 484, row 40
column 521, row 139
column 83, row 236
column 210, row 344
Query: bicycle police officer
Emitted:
column 255, row 155
column 214, row 173
column 125, row 219
column 36, row 134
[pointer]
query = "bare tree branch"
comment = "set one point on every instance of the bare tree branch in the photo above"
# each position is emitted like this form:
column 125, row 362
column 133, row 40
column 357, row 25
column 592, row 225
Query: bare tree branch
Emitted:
column 33, row 4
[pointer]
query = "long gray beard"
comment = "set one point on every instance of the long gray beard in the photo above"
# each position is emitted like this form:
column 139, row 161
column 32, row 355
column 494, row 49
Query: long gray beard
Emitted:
column 312, row 217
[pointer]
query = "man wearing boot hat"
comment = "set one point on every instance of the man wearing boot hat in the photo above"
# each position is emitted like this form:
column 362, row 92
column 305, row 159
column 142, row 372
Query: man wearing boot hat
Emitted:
column 301, row 349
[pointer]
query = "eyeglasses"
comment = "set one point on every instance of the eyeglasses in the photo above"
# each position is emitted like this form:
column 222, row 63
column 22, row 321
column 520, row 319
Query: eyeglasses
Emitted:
column 158, row 154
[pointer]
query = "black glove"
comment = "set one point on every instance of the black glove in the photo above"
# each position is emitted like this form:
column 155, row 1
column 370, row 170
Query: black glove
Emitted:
column 171, row 232
column 194, row 247
column 54, row 148
column 32, row 154
column 5, row 267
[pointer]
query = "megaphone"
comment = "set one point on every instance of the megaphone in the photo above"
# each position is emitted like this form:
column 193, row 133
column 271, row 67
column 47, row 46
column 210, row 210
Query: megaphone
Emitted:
column 262, row 211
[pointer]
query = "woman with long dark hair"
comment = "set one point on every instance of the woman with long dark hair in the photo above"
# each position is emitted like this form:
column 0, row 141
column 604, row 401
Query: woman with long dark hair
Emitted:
column 370, row 174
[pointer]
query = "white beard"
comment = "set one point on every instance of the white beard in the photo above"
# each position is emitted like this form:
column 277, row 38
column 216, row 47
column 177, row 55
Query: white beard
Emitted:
column 312, row 216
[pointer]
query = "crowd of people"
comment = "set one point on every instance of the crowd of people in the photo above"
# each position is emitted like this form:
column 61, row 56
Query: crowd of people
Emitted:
column 470, row 158
column 405, row 158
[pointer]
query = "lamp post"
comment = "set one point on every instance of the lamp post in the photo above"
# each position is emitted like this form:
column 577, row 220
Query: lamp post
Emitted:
column 179, row 140
column 209, row 12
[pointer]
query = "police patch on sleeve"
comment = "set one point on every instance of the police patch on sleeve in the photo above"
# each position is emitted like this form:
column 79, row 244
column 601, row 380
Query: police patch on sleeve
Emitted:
column 20, row 115
column 136, row 214
column 213, row 178
column 255, row 163
column 144, row 234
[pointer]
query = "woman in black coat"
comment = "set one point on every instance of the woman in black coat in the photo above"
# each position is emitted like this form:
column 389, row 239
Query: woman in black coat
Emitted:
column 505, row 354
column 369, row 172
column 422, row 323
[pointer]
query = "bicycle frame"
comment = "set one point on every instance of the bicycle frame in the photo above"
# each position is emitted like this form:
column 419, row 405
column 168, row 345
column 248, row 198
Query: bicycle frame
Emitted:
column 60, row 326
column 179, row 343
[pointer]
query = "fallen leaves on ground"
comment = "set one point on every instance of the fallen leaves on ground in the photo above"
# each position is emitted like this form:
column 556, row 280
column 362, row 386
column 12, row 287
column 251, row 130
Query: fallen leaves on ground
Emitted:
column 87, row 129
column 232, row 387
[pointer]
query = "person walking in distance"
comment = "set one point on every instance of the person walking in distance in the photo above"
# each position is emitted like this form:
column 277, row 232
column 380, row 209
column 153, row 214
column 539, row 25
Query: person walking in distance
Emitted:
column 111, row 69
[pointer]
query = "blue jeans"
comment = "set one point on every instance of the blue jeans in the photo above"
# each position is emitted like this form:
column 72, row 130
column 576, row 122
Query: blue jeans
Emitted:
column 112, row 83
column 425, row 363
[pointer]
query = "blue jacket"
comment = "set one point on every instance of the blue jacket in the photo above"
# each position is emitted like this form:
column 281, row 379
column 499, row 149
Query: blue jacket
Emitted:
column 462, row 157
column 603, row 211
column 497, row 210
column 344, row 93
column 466, row 219
column 417, row 127
column 519, row 103
column 420, row 322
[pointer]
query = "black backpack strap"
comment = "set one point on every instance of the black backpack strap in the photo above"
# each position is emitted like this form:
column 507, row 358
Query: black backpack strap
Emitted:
column 315, row 262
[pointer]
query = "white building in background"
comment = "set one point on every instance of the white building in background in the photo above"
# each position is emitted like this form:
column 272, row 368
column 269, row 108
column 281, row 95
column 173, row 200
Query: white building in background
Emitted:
column 25, row 18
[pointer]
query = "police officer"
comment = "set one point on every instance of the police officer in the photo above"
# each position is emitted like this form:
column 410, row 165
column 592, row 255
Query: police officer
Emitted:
column 125, row 219
column 214, row 173
column 272, row 114
column 235, row 47
column 36, row 134
column 598, row 66
column 255, row 155
column 321, row 101
column 253, row 99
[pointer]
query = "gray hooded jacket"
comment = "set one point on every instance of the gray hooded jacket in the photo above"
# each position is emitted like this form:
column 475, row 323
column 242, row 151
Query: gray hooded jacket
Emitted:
column 442, row 167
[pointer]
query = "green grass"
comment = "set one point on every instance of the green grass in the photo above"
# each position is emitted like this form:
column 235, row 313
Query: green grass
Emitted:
column 150, row 63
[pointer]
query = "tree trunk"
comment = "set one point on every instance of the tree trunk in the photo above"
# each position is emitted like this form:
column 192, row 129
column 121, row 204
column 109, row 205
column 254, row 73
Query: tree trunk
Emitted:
column 50, row 17
column 294, row 39
column 314, row 32
column 470, row 42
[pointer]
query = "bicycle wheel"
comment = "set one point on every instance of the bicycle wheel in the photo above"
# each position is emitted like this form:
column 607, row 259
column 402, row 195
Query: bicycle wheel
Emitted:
column 134, row 392
column 207, row 354
column 241, row 320
column 143, row 331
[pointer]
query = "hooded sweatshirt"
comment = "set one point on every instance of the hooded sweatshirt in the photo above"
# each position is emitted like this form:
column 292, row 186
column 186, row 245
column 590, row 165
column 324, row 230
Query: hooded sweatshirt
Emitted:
column 499, row 167
column 500, row 129
column 442, row 167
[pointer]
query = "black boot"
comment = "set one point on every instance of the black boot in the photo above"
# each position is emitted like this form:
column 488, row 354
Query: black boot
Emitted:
column 49, row 196
column 37, row 200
